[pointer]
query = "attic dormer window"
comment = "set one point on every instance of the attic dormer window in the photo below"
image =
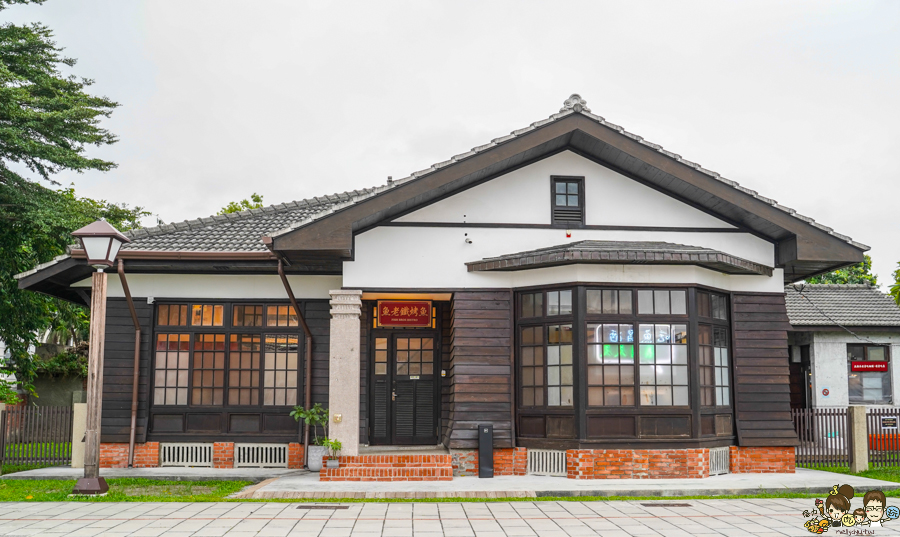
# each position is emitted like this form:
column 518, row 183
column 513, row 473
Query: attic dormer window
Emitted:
column 567, row 200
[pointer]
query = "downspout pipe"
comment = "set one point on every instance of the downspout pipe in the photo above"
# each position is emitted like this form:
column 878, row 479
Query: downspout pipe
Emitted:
column 137, row 362
column 307, row 385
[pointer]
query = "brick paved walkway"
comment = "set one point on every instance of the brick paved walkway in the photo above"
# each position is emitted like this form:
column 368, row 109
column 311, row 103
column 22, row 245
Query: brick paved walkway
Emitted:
column 762, row 517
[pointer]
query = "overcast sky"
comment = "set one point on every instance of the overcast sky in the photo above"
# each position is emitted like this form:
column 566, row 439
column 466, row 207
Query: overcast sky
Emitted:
column 293, row 99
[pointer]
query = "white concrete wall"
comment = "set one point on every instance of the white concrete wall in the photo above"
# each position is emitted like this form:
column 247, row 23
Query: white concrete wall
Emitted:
column 523, row 197
column 435, row 257
column 828, row 362
column 225, row 286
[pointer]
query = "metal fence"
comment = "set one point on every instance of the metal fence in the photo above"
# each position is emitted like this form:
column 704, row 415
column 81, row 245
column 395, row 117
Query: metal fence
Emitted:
column 31, row 435
column 883, row 436
column 824, row 436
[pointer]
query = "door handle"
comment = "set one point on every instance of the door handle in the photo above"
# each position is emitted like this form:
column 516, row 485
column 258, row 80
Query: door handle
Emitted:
column 393, row 396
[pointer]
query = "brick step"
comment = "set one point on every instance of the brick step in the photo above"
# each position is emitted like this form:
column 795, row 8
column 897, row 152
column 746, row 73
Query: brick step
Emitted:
column 386, row 474
column 391, row 468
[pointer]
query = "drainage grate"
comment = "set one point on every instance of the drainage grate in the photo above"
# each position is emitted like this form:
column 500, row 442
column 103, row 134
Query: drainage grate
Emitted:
column 546, row 462
column 184, row 454
column 666, row 504
column 260, row 455
column 719, row 460
column 323, row 507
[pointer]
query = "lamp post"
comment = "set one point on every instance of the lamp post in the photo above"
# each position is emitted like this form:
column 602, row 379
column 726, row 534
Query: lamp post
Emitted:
column 101, row 244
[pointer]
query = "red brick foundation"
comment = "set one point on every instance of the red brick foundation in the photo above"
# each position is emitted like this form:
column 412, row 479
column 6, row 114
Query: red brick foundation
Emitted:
column 223, row 454
column 637, row 463
column 115, row 455
column 295, row 455
column 507, row 461
column 762, row 460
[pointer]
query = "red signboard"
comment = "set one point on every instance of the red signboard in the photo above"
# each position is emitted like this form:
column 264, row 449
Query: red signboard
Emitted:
column 404, row 313
column 868, row 366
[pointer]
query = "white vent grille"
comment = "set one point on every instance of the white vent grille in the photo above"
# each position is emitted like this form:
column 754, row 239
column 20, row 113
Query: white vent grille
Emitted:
column 261, row 455
column 183, row 454
column 546, row 462
column 719, row 460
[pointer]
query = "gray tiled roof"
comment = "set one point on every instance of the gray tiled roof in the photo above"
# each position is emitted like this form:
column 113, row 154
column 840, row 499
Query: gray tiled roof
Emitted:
column 849, row 305
column 621, row 252
column 234, row 232
column 242, row 231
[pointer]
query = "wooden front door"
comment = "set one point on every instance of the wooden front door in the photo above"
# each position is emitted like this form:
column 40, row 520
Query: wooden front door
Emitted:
column 404, row 388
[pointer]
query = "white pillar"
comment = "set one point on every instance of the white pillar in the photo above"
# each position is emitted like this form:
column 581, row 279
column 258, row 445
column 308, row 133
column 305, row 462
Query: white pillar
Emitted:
column 79, row 426
column 343, row 369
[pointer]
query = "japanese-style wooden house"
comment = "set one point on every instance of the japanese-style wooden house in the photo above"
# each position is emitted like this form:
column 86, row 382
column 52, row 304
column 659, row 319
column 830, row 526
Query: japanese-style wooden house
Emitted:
column 579, row 288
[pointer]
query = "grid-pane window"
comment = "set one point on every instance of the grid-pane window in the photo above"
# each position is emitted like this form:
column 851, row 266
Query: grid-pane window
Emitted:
column 610, row 359
column 172, row 315
column 568, row 201
column 280, row 371
column 869, row 374
column 415, row 356
column 663, row 364
column 559, row 302
column 208, row 383
column 207, row 315
column 609, row 301
column 171, row 368
column 712, row 305
column 532, row 349
column 714, row 377
column 243, row 369
column 381, row 355
column 281, row 316
column 532, row 305
column 662, row 302
column 244, row 315
column 559, row 365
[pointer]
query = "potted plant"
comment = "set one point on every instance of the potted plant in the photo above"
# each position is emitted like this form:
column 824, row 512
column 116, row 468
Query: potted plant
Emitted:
column 334, row 450
column 315, row 417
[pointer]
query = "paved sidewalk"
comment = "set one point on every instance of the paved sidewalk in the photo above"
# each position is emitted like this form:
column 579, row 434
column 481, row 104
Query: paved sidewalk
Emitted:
column 759, row 517
column 307, row 486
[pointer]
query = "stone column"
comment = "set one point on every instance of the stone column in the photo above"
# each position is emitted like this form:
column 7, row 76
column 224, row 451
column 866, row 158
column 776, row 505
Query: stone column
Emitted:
column 859, row 439
column 343, row 369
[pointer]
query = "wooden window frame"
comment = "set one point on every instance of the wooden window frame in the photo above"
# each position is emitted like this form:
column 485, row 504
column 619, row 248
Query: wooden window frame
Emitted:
column 227, row 329
column 888, row 373
column 554, row 179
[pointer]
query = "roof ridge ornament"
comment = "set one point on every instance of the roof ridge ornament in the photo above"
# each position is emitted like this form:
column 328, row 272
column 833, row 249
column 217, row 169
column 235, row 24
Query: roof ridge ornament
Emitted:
column 576, row 103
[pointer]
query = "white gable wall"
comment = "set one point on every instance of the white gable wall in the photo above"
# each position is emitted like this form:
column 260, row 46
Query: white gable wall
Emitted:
column 523, row 197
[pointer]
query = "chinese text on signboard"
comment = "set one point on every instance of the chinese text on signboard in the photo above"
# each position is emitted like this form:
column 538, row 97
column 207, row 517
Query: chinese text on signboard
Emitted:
column 404, row 313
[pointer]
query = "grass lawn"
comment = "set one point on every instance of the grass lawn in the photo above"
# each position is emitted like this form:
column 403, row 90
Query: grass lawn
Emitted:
column 151, row 490
column 884, row 473
column 120, row 490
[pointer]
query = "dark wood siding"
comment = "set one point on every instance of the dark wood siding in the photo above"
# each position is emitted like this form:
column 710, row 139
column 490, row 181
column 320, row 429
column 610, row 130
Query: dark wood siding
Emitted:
column 480, row 350
column 365, row 323
column 118, row 371
column 318, row 317
column 446, row 385
column 761, row 373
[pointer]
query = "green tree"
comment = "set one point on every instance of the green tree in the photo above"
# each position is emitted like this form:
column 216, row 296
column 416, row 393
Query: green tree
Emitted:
column 255, row 202
column 47, row 120
column 895, row 289
column 859, row 273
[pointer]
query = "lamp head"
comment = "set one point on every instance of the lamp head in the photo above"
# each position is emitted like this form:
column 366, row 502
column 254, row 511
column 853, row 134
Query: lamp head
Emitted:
column 101, row 243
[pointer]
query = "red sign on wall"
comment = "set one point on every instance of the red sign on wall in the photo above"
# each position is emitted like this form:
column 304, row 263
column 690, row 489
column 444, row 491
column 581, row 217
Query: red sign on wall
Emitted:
column 868, row 366
column 404, row 313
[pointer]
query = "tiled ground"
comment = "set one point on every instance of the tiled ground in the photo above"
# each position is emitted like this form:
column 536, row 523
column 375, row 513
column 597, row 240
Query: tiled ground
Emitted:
column 762, row 517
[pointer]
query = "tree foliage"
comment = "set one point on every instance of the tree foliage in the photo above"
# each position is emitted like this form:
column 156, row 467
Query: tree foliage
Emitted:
column 255, row 202
column 47, row 120
column 895, row 289
column 860, row 273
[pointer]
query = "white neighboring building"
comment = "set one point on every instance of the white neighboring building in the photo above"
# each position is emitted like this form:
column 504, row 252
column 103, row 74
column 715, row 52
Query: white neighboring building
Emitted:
column 843, row 343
